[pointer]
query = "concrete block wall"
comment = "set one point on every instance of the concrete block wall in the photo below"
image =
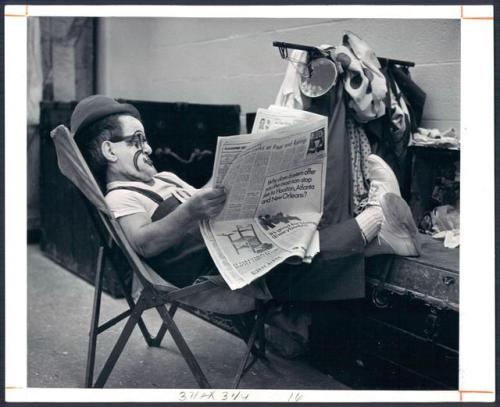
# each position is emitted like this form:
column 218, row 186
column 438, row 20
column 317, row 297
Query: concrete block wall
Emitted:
column 232, row 61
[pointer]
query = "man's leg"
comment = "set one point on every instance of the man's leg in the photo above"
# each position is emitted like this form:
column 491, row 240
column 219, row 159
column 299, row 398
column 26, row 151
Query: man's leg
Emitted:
column 343, row 239
column 386, row 217
column 337, row 272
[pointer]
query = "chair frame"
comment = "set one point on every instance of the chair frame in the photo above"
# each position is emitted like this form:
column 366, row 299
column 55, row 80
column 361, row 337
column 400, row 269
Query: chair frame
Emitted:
column 151, row 296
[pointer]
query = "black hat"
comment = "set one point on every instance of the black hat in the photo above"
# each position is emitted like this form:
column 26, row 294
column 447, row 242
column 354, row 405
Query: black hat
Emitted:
column 96, row 107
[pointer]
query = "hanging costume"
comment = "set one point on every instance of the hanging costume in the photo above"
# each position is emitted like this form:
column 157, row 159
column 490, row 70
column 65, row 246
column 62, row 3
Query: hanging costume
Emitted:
column 390, row 135
column 338, row 208
column 360, row 150
column 384, row 102
column 364, row 88
column 363, row 81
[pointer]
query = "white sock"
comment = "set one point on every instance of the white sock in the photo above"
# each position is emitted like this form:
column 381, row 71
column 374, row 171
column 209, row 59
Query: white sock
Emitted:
column 370, row 221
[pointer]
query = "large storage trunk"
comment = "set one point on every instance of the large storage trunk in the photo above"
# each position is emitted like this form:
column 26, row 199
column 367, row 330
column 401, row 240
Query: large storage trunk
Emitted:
column 188, row 131
column 404, row 334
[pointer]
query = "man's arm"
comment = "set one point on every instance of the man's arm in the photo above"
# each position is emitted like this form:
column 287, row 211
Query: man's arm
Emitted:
column 151, row 238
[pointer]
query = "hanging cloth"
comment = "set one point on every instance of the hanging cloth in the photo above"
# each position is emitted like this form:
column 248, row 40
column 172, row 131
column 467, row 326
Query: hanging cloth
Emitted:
column 390, row 135
column 413, row 94
column 363, row 81
column 338, row 186
column 289, row 94
column 338, row 201
column 342, row 162
column 400, row 126
column 360, row 150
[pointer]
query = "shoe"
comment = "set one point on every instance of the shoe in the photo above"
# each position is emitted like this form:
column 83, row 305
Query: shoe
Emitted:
column 377, row 189
column 398, row 234
column 380, row 172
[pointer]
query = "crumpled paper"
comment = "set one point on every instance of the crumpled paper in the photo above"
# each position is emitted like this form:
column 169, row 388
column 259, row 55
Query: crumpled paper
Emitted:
column 435, row 138
column 445, row 221
column 451, row 238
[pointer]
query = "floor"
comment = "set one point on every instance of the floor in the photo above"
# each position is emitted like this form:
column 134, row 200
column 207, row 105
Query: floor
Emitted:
column 59, row 311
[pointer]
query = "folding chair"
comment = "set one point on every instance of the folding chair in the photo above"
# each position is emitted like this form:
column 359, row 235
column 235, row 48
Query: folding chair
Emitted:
column 155, row 293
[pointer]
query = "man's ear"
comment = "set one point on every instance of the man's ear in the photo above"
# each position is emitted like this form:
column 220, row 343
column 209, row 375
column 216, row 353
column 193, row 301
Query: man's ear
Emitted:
column 107, row 151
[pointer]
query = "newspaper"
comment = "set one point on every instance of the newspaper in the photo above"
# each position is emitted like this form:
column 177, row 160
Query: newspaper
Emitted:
column 275, row 117
column 274, row 179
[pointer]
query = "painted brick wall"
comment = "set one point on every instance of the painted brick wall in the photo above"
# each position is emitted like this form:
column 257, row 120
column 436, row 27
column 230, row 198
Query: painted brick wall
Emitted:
column 233, row 60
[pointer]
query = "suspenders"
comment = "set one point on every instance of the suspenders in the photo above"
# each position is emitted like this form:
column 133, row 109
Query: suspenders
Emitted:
column 146, row 192
column 153, row 195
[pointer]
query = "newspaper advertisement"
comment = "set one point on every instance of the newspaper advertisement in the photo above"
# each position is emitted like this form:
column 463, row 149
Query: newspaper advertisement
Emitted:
column 275, row 117
column 274, row 180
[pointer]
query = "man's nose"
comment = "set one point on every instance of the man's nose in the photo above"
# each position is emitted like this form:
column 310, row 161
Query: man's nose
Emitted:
column 147, row 148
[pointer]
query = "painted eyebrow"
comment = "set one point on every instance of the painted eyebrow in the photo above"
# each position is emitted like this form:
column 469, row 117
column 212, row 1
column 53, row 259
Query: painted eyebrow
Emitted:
column 137, row 135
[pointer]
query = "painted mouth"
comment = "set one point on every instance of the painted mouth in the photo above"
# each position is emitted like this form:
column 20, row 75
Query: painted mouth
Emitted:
column 145, row 159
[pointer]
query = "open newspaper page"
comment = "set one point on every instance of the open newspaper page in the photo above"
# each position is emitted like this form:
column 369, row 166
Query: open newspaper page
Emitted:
column 275, row 117
column 275, row 185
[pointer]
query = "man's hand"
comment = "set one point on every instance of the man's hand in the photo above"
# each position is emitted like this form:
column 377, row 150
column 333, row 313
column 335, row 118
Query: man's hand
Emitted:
column 152, row 238
column 206, row 203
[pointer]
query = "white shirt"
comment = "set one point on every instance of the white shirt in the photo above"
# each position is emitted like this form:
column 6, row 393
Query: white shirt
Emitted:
column 124, row 202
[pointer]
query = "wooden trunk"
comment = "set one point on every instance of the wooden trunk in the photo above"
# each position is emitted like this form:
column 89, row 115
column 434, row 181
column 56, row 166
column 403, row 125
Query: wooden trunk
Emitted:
column 404, row 334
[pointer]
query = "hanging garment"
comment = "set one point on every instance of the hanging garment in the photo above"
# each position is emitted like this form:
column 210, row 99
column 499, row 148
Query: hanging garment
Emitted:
column 289, row 94
column 345, row 274
column 413, row 94
column 338, row 187
column 363, row 81
column 338, row 205
column 390, row 135
column 360, row 71
column 345, row 149
column 399, row 118
column 360, row 150
column 376, row 99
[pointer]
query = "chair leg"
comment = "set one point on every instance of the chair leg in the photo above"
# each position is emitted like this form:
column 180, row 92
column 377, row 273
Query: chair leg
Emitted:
column 164, row 328
column 94, row 322
column 142, row 325
column 120, row 344
column 244, row 360
column 257, row 333
column 183, row 348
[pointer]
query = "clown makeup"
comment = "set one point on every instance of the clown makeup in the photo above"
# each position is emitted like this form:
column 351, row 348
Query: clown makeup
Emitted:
column 138, row 141
column 145, row 159
column 132, row 152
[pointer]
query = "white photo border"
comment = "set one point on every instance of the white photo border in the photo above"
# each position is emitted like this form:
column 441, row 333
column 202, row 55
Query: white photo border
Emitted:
column 477, row 252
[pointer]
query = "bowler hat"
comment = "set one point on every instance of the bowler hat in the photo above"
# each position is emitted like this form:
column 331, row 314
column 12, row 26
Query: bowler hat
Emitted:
column 96, row 107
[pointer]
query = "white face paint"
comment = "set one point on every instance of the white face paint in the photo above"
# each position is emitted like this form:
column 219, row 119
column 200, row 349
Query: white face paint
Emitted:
column 132, row 153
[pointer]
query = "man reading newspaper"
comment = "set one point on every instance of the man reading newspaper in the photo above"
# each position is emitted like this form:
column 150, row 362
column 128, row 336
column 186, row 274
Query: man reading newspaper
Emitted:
column 160, row 214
